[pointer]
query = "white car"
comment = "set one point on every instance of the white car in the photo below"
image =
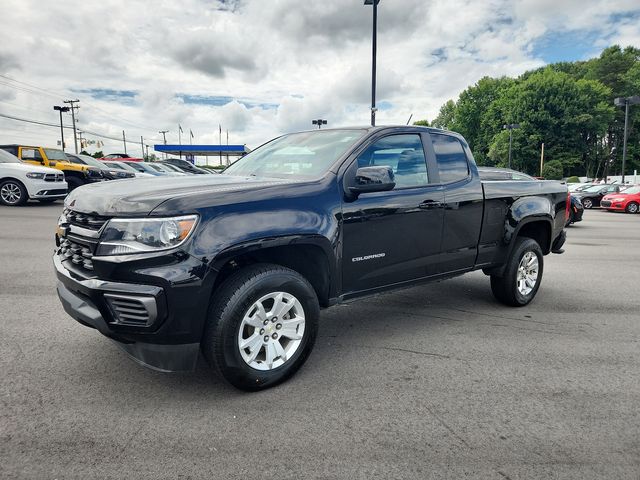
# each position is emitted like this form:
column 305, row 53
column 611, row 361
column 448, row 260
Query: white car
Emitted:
column 20, row 182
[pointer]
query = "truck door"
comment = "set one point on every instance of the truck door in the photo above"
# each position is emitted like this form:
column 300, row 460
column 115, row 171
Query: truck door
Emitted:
column 393, row 236
column 31, row 155
column 464, row 202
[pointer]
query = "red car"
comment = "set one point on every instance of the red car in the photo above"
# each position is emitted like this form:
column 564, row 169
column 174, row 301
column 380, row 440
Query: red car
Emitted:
column 121, row 157
column 627, row 200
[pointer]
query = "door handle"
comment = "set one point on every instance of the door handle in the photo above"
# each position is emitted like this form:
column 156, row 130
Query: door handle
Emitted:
column 430, row 205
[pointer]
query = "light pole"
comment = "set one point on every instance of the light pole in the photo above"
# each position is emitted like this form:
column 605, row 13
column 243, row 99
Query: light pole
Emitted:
column 374, row 43
column 319, row 122
column 61, row 109
column 619, row 102
column 510, row 127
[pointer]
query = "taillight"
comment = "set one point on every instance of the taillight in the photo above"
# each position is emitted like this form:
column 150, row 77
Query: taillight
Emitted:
column 566, row 210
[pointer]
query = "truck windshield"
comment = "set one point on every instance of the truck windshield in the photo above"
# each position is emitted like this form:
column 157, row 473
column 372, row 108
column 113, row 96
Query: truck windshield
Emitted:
column 53, row 154
column 298, row 155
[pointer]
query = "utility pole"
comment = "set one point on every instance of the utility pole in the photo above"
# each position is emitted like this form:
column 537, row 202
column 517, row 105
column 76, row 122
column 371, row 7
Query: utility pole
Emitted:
column 542, row 159
column 164, row 139
column 124, row 142
column 80, row 132
column 619, row 102
column 142, row 146
column 510, row 127
column 220, row 142
column 73, row 119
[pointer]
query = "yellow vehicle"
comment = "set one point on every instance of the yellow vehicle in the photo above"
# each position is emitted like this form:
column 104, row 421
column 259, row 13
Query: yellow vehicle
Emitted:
column 75, row 175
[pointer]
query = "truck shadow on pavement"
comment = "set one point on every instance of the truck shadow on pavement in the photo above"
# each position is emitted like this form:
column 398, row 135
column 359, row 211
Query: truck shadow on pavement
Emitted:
column 376, row 324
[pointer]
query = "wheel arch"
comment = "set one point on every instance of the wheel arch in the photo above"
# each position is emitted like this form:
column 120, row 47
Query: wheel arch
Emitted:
column 310, row 255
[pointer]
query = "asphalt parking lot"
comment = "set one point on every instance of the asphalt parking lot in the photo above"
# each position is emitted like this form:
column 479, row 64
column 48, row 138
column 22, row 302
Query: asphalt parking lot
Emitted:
column 438, row 381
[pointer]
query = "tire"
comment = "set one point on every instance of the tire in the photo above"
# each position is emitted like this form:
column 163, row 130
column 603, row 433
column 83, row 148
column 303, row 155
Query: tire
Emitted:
column 508, row 288
column 235, row 303
column 47, row 200
column 587, row 203
column 13, row 193
column 73, row 183
column 632, row 207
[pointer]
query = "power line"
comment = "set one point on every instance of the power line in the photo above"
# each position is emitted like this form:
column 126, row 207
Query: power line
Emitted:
column 33, row 89
column 48, row 124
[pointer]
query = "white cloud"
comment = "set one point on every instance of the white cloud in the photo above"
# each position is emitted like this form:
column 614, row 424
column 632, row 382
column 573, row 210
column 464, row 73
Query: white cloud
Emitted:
column 307, row 59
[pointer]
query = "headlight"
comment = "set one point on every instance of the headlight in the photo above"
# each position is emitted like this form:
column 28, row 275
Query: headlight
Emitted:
column 35, row 175
column 137, row 235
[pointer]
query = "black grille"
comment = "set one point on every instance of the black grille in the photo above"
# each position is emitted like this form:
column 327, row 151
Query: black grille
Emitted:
column 85, row 220
column 128, row 310
column 54, row 177
column 78, row 254
column 605, row 203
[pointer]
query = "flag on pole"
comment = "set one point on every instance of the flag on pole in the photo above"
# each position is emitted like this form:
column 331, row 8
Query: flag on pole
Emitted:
column 180, row 127
column 220, row 127
column 191, row 133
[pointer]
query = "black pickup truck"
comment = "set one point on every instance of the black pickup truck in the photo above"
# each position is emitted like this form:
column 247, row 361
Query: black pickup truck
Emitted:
column 238, row 265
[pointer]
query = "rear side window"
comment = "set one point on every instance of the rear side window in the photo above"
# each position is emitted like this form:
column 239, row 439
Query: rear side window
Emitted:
column 451, row 159
column 405, row 156
column 31, row 154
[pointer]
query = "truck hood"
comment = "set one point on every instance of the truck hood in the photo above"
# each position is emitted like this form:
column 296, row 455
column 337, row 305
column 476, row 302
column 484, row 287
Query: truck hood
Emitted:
column 26, row 168
column 140, row 196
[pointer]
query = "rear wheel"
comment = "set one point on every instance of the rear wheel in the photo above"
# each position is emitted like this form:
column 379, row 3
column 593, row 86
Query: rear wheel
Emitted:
column 13, row 193
column 632, row 207
column 522, row 275
column 261, row 326
column 587, row 203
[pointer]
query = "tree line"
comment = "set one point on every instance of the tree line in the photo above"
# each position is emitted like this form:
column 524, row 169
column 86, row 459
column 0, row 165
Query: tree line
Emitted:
column 568, row 106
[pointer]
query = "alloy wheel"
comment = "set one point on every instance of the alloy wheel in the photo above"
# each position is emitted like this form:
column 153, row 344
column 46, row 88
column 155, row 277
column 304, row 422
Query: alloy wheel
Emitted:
column 11, row 193
column 271, row 331
column 527, row 276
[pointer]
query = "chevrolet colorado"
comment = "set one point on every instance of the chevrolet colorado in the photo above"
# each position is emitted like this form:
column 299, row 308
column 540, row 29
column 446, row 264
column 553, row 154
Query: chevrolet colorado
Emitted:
column 238, row 265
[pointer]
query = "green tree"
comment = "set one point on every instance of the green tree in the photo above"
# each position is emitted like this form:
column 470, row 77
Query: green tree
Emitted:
column 98, row 154
column 423, row 123
column 446, row 116
column 552, row 170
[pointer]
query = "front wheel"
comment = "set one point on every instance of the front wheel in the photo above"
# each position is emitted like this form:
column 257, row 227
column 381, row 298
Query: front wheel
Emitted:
column 587, row 203
column 261, row 326
column 13, row 193
column 632, row 207
column 522, row 275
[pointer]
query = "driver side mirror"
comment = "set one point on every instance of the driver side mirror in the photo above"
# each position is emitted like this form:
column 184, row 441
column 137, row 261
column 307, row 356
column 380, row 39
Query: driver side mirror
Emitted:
column 373, row 179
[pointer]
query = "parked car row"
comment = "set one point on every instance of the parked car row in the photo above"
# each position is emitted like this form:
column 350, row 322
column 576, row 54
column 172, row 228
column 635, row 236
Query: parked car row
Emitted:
column 20, row 182
column 47, row 174
column 627, row 200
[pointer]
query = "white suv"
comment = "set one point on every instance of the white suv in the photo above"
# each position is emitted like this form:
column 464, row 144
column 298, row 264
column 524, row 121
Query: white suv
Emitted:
column 20, row 182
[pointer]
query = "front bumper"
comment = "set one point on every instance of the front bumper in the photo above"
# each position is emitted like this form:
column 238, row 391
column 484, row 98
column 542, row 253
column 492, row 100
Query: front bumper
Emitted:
column 613, row 206
column 41, row 189
column 160, row 337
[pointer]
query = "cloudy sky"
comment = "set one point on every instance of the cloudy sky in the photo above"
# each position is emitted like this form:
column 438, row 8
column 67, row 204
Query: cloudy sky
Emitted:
column 264, row 67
